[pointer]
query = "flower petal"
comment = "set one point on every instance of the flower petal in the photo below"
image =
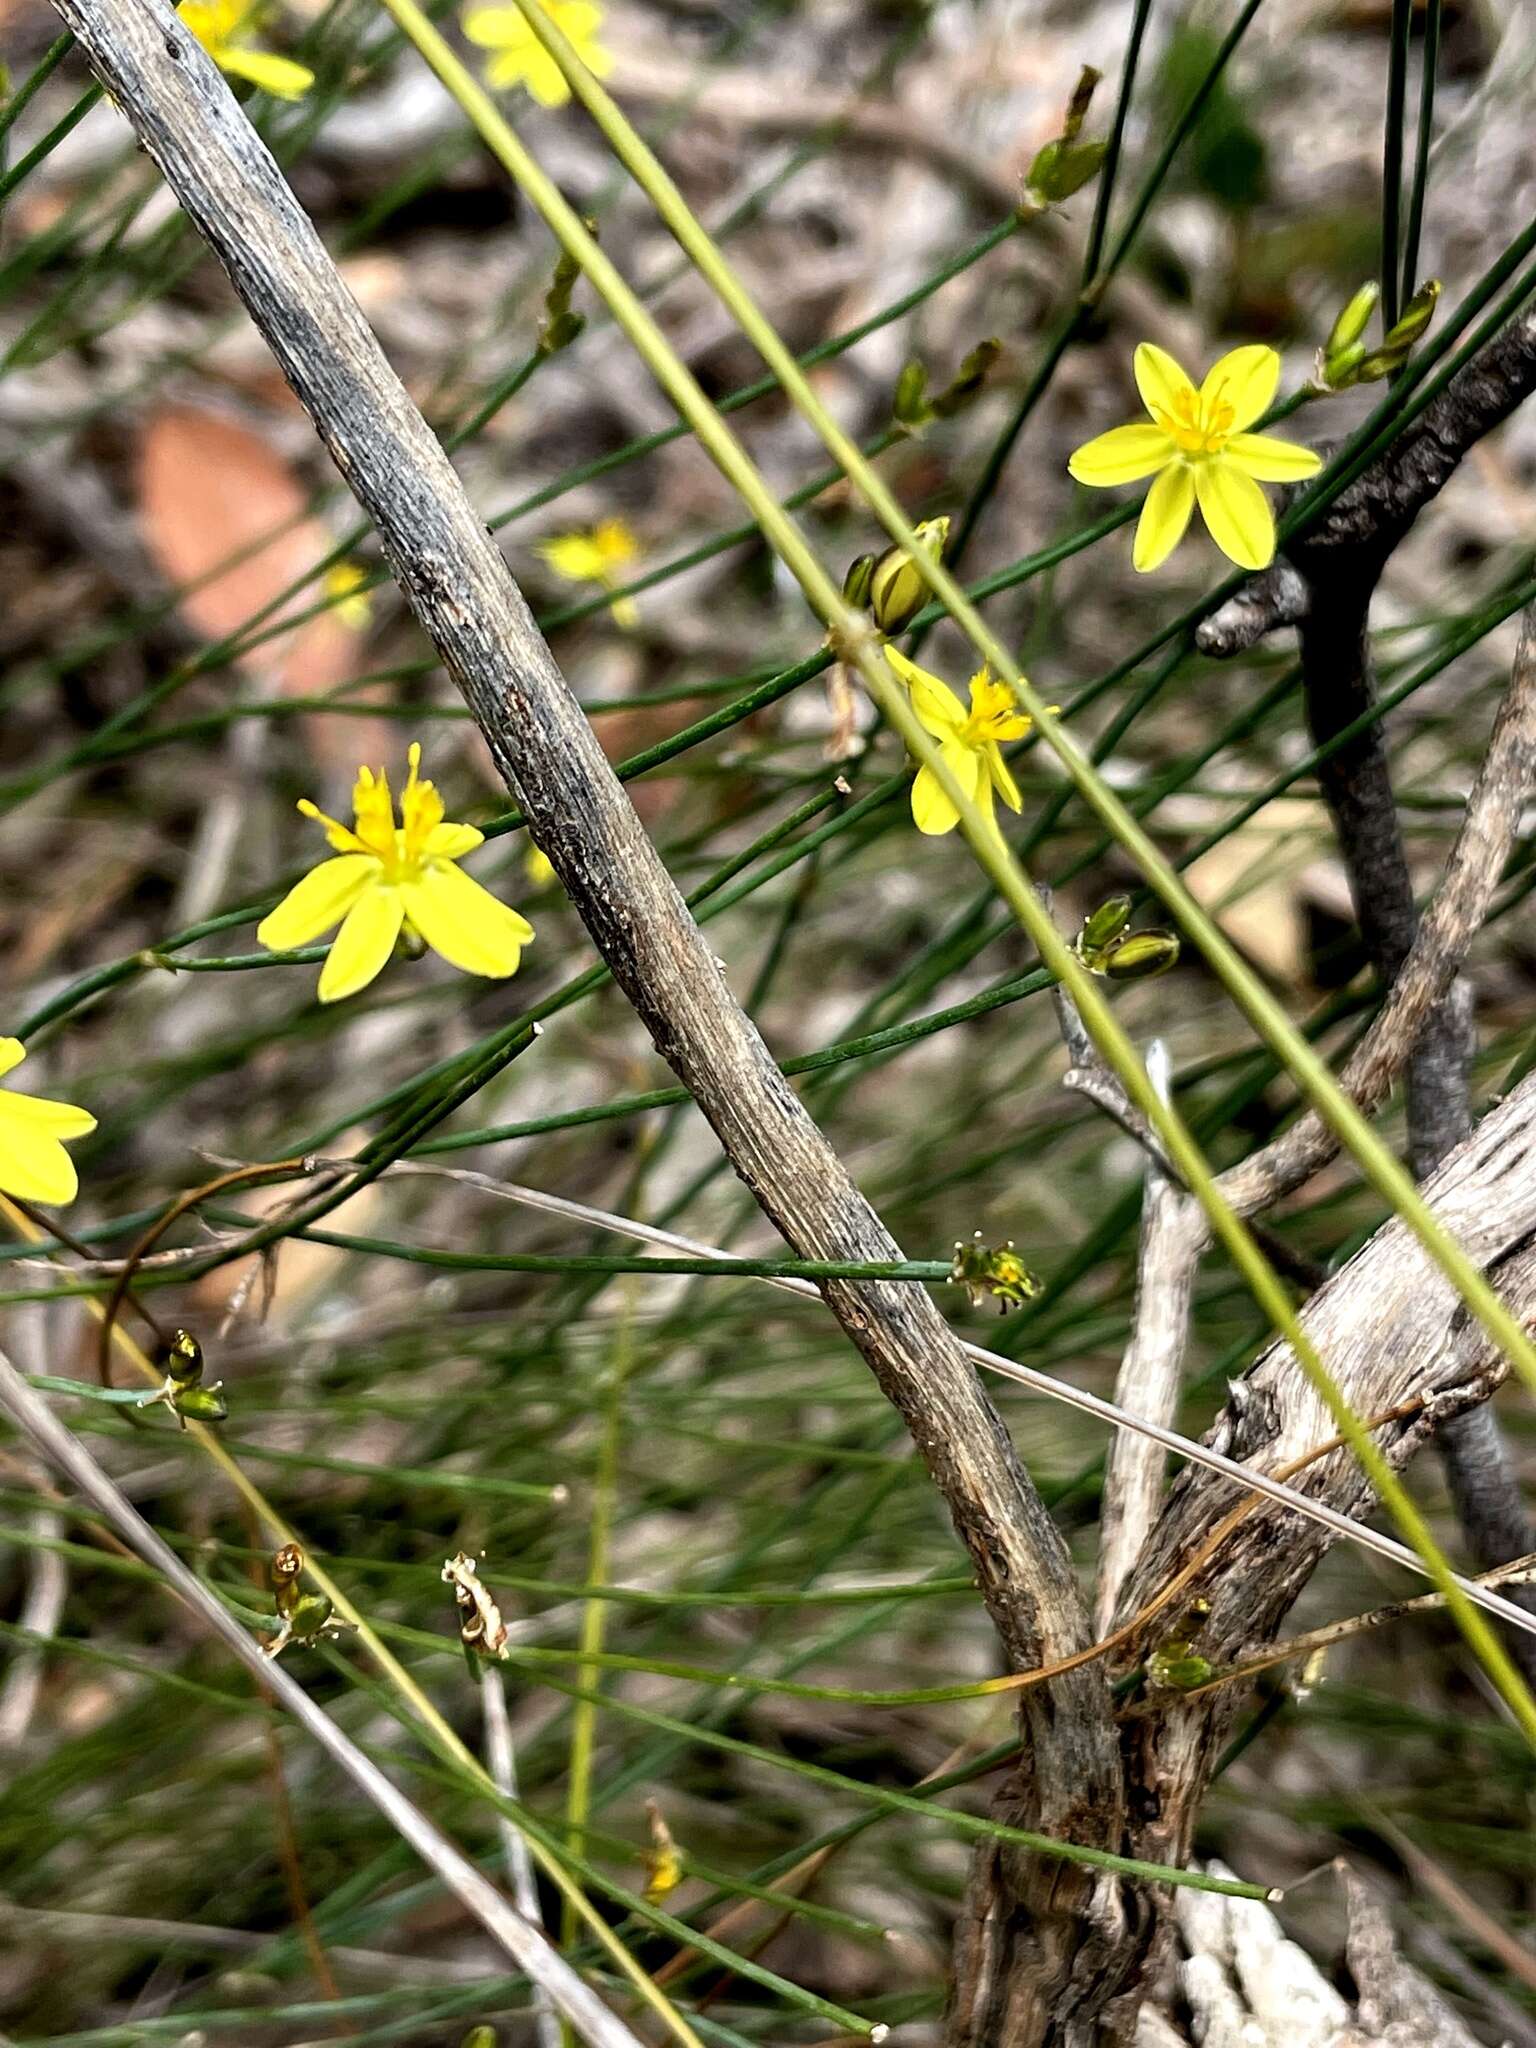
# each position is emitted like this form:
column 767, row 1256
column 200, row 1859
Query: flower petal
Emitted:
column 364, row 943
column 938, row 709
column 1002, row 779
column 544, row 79
column 1160, row 380
column 1164, row 517
column 12, row 1053
column 1122, row 456
column 494, row 28
column 1237, row 513
column 471, row 929
column 933, row 811
column 41, row 1114
column 321, row 899
column 279, row 76
column 1245, row 379
column 1271, row 460
column 34, row 1165
column 451, row 842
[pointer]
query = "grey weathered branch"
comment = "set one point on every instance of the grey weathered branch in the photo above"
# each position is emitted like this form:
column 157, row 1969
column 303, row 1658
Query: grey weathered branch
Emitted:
column 1148, row 1382
column 466, row 600
column 528, row 1949
column 1390, row 1329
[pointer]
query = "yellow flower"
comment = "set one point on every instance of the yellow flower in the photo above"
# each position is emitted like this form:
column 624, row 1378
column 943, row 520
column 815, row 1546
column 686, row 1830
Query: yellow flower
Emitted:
column 223, row 27
column 349, row 601
column 33, row 1163
column 970, row 742
column 538, row 866
column 391, row 878
column 1201, row 450
column 600, row 555
column 521, row 59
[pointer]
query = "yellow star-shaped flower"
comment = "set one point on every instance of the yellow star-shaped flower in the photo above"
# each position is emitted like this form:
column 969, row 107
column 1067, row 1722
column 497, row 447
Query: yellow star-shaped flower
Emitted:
column 599, row 555
column 969, row 741
column 224, row 29
column 1201, row 451
column 33, row 1163
column 388, row 879
column 521, row 59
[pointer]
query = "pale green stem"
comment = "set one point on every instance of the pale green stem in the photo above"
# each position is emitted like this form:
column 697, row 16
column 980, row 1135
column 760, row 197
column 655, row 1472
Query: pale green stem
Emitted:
column 857, row 644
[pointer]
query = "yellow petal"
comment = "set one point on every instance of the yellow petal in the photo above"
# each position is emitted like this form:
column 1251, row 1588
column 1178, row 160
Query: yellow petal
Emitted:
column 451, row 842
column 493, row 28
column 320, row 900
column 625, row 614
column 12, row 1053
column 466, row 924
column 544, row 78
column 576, row 556
column 1002, row 779
column 39, row 1114
column 938, row 709
column 342, row 837
column 933, row 811
column 364, row 943
column 1122, row 456
column 279, row 76
column 1236, row 512
column 34, row 1166
column 1272, row 461
column 1244, row 379
column 1164, row 517
column 1160, row 380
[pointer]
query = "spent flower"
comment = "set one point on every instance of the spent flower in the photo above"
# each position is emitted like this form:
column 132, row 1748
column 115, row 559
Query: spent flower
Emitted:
column 389, row 879
column 521, row 59
column 1199, row 449
column 226, row 28
column 970, row 742
column 33, row 1163
column 599, row 554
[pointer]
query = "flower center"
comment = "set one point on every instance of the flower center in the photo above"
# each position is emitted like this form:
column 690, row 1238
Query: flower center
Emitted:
column 995, row 714
column 1197, row 429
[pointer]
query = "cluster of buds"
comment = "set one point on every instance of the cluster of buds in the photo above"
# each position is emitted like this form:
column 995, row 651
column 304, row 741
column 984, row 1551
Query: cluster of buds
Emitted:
column 1344, row 358
column 891, row 587
column 912, row 407
column 993, row 1272
column 481, row 1628
column 1106, row 947
column 182, row 1389
column 1066, row 163
column 301, row 1617
column 560, row 326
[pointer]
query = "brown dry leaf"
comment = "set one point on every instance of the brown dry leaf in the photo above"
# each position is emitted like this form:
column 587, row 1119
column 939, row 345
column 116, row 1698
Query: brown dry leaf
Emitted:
column 212, row 492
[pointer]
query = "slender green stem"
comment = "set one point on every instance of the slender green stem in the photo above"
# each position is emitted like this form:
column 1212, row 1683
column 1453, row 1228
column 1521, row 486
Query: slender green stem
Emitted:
column 1392, row 162
column 1418, row 191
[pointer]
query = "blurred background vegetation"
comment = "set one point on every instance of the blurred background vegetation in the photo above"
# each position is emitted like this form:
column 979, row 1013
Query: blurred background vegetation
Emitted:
column 679, row 1469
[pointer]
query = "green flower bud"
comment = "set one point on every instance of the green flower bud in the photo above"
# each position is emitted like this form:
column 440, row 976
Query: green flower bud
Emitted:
column 1176, row 1666
column 183, row 1358
column 1102, row 926
column 1352, row 322
column 910, row 405
column 479, row 2037
column 309, row 1615
column 1062, row 168
column 1415, row 317
column 856, row 580
column 968, row 379
column 200, row 1404
column 897, row 588
column 1142, row 955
